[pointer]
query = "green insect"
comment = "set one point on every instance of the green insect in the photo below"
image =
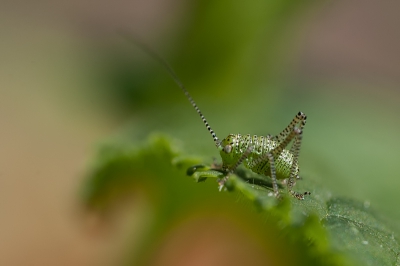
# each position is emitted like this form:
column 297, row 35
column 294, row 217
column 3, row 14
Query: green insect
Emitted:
column 265, row 155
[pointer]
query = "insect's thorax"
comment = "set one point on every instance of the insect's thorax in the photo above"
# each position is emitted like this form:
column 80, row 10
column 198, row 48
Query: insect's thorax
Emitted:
column 235, row 145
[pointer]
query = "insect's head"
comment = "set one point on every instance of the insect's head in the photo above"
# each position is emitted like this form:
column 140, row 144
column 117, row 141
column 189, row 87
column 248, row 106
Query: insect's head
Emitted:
column 227, row 150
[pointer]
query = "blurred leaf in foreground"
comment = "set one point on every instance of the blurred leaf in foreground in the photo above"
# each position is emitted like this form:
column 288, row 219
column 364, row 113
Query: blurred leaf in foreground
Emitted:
column 325, row 230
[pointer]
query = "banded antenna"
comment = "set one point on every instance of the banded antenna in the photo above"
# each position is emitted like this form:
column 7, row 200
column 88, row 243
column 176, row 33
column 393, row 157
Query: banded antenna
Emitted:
column 172, row 73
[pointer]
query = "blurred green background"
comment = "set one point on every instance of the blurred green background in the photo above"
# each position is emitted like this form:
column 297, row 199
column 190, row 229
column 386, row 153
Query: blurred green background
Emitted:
column 69, row 83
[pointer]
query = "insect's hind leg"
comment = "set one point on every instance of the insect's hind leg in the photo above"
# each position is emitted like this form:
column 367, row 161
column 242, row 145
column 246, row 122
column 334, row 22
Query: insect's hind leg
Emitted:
column 289, row 133
column 300, row 119
column 295, row 152
column 284, row 138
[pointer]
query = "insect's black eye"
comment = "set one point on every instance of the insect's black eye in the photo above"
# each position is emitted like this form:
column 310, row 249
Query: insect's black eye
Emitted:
column 228, row 148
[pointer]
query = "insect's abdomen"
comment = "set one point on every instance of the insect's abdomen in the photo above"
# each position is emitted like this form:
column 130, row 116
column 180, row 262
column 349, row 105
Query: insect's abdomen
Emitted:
column 258, row 161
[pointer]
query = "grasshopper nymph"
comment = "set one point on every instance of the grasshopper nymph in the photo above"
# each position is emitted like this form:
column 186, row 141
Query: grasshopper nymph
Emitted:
column 265, row 155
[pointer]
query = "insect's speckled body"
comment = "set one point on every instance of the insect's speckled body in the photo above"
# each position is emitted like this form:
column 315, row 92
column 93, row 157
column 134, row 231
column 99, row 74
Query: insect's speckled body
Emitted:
column 262, row 146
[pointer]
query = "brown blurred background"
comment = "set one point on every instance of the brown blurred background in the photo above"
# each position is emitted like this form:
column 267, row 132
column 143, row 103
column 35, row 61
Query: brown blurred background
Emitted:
column 52, row 115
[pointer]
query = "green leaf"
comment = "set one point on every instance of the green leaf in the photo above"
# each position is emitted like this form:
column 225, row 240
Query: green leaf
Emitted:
column 353, row 228
column 326, row 230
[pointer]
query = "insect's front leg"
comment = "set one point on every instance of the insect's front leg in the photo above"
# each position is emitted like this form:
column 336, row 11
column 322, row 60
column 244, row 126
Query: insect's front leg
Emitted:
column 232, row 170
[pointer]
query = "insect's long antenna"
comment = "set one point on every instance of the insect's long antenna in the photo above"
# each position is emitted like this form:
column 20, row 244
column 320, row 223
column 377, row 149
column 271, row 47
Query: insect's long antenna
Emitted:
column 172, row 73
